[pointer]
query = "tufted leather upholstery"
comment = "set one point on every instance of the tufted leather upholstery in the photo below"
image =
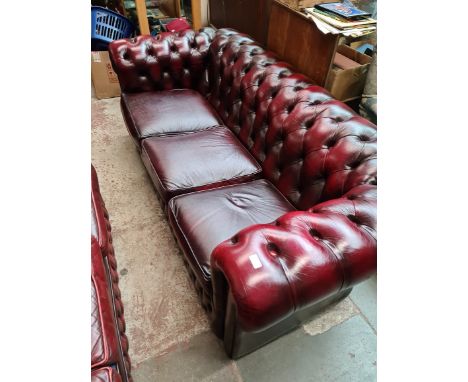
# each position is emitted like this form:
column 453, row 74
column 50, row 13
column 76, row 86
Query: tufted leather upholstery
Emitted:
column 304, row 257
column 314, row 150
column 105, row 374
column 109, row 342
column 104, row 342
column 167, row 61
column 202, row 220
column 312, row 147
column 177, row 165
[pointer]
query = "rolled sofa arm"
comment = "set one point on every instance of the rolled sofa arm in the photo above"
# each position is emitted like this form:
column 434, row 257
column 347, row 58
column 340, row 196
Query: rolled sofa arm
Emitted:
column 101, row 229
column 163, row 62
column 267, row 276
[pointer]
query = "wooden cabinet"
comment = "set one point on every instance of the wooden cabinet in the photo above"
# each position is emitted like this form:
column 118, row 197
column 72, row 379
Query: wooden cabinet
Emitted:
column 297, row 40
column 247, row 16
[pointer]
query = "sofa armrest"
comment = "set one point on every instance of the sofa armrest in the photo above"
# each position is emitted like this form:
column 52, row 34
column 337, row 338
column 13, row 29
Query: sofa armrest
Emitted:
column 101, row 233
column 270, row 272
column 163, row 62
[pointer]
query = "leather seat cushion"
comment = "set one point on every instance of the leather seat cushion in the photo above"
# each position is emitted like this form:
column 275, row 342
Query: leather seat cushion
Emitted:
column 105, row 374
column 104, row 341
column 202, row 220
column 197, row 161
column 166, row 112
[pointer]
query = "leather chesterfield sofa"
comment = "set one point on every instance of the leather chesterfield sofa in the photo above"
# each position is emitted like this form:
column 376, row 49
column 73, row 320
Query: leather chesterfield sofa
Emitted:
column 109, row 344
column 269, row 184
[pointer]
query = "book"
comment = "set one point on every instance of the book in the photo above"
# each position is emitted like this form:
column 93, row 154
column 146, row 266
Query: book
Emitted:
column 344, row 10
column 338, row 21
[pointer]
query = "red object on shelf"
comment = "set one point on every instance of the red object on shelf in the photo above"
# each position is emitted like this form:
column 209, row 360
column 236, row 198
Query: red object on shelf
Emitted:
column 178, row 25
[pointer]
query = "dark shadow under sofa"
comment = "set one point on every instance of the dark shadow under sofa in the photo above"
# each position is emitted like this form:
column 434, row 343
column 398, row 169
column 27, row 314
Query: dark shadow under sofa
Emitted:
column 269, row 183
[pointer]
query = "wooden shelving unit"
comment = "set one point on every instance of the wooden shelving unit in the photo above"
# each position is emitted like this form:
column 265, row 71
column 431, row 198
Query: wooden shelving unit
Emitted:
column 142, row 18
column 199, row 17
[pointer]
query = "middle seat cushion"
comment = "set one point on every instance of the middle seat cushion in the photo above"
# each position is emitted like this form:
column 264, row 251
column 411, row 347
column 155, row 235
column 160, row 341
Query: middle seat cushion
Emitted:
column 197, row 161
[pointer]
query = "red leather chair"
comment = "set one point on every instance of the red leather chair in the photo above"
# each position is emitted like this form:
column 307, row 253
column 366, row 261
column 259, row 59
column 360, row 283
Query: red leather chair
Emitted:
column 109, row 345
column 268, row 182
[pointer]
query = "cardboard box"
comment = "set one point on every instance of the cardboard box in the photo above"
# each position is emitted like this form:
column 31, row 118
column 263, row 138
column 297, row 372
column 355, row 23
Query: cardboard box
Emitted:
column 300, row 4
column 348, row 84
column 105, row 80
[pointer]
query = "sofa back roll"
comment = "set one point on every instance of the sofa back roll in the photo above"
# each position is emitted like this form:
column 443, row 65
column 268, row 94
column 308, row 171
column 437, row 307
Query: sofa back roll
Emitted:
column 167, row 61
column 311, row 147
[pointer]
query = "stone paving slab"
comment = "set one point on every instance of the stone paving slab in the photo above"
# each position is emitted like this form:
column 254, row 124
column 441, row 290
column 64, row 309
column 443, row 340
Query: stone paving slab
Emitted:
column 345, row 353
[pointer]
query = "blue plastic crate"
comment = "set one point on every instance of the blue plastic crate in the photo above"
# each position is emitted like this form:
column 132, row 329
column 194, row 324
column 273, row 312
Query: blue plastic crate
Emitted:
column 107, row 26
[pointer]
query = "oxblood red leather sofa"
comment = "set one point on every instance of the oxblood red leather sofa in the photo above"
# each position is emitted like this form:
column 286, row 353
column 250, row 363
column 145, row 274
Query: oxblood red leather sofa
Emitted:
column 109, row 344
column 269, row 183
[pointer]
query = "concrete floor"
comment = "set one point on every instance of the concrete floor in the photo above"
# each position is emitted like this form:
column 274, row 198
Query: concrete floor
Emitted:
column 169, row 334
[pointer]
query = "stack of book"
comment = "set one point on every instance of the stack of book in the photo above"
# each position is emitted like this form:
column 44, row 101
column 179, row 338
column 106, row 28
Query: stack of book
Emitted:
column 342, row 18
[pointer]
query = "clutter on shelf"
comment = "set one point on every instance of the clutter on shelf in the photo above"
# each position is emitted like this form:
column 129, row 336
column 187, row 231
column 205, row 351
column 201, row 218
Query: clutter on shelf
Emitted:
column 341, row 18
column 300, row 4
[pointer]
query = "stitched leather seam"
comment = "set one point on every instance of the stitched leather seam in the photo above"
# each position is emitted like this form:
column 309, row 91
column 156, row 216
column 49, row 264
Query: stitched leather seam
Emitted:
column 154, row 173
column 238, row 180
column 179, row 229
column 181, row 133
column 127, row 112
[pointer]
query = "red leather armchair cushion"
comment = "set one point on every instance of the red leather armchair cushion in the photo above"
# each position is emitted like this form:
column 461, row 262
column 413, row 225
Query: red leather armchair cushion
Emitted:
column 166, row 112
column 197, row 161
column 104, row 341
column 105, row 374
column 202, row 220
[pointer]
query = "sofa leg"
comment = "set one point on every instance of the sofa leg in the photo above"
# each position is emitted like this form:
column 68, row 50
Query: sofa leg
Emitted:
column 239, row 343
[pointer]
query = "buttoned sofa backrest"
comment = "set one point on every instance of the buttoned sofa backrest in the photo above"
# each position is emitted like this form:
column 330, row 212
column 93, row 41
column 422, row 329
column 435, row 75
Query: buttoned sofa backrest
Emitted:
column 312, row 147
column 163, row 62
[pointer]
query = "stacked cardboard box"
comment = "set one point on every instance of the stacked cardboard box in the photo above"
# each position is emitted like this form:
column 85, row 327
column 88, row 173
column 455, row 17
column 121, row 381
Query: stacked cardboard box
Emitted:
column 105, row 81
column 348, row 75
